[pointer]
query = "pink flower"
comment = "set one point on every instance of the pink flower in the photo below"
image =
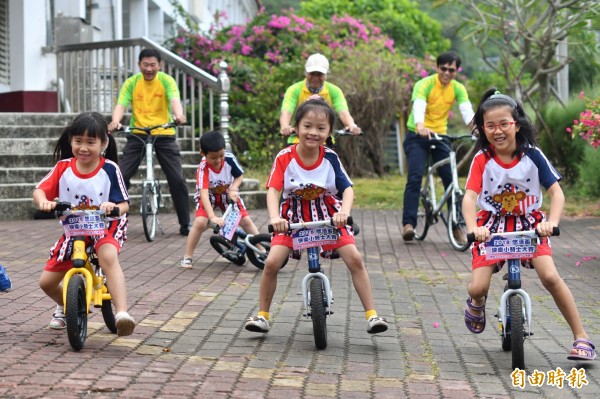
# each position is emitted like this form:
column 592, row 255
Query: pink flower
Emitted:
column 581, row 94
column 424, row 73
column 246, row 50
column 279, row 22
column 569, row 130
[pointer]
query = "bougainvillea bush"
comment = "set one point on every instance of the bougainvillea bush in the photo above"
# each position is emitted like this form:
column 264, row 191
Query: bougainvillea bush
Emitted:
column 588, row 125
column 268, row 54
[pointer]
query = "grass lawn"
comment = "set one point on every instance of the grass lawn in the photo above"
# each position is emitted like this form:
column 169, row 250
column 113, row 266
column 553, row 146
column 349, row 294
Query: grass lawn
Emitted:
column 387, row 193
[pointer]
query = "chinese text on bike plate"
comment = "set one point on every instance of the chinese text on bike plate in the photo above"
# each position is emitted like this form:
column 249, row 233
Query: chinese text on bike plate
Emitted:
column 231, row 223
column 84, row 225
column 575, row 379
column 307, row 238
column 522, row 247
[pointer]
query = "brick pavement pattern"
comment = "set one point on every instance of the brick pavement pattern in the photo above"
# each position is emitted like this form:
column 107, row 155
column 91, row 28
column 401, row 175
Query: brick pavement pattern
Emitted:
column 190, row 342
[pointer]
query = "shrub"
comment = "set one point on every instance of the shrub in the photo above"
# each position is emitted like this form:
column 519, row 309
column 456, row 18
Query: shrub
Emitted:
column 564, row 153
column 589, row 178
column 268, row 54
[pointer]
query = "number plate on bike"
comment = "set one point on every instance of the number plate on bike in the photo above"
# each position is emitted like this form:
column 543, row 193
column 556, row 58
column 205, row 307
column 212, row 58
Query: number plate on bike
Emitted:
column 307, row 238
column 232, row 220
column 84, row 224
column 510, row 246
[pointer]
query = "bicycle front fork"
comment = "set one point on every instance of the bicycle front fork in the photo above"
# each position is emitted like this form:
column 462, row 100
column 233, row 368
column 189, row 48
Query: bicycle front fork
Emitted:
column 314, row 271
column 514, row 288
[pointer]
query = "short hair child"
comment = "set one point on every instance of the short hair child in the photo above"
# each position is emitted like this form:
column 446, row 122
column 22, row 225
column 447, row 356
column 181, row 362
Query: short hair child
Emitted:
column 218, row 180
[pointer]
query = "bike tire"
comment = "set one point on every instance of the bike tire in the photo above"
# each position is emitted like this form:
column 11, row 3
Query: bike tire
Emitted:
column 317, row 311
column 108, row 314
column 149, row 211
column 423, row 218
column 227, row 250
column 517, row 332
column 76, row 312
column 258, row 259
column 457, row 220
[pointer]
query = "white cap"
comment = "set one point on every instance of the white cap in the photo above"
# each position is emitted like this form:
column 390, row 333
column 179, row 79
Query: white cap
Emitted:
column 317, row 63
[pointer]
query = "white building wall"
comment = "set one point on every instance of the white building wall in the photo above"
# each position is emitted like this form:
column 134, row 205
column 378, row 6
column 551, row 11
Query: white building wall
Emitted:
column 33, row 65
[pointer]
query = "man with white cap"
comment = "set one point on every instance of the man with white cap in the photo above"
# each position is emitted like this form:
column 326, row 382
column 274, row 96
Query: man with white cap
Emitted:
column 316, row 69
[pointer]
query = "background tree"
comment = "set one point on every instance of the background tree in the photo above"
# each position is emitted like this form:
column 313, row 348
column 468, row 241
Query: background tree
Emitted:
column 414, row 32
column 525, row 35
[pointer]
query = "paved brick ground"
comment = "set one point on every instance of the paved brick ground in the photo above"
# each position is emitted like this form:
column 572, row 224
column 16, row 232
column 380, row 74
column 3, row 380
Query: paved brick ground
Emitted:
column 189, row 341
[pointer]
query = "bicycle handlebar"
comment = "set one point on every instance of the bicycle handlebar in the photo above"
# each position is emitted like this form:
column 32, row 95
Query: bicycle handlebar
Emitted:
column 62, row 207
column 146, row 130
column 317, row 223
column 555, row 232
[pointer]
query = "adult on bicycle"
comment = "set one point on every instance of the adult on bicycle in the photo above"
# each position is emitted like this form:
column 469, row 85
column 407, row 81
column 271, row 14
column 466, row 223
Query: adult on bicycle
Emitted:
column 432, row 98
column 154, row 99
column 315, row 84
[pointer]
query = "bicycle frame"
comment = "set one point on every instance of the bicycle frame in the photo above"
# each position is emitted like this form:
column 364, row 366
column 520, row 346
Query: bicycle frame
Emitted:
column 95, row 289
column 453, row 188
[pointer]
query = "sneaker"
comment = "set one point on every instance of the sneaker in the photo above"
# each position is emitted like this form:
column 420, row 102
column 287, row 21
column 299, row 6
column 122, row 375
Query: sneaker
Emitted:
column 459, row 236
column 257, row 324
column 186, row 263
column 408, row 232
column 377, row 325
column 59, row 320
column 125, row 324
column 5, row 283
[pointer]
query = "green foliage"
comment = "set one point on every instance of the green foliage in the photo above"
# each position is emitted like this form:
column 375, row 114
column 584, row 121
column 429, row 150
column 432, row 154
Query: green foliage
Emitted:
column 589, row 178
column 268, row 54
column 413, row 31
column 564, row 153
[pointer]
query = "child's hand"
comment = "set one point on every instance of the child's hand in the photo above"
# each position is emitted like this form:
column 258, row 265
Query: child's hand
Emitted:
column 217, row 220
column 340, row 219
column 279, row 225
column 46, row 206
column 544, row 229
column 108, row 207
column 234, row 196
column 481, row 233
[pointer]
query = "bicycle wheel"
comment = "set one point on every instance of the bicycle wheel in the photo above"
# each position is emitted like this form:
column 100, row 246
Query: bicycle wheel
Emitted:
column 517, row 332
column 227, row 250
column 258, row 259
column 456, row 222
column 108, row 314
column 149, row 211
column 76, row 312
column 317, row 313
column 423, row 217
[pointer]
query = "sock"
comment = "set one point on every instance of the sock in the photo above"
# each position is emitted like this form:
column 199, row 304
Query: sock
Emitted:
column 370, row 313
column 266, row 315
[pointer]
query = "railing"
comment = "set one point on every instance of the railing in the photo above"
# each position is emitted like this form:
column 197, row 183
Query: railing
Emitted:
column 91, row 74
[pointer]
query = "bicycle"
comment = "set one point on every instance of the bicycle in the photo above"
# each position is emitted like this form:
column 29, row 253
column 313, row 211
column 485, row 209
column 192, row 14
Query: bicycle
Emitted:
column 515, row 304
column 430, row 208
column 234, row 244
column 151, row 195
column 317, row 295
column 84, row 284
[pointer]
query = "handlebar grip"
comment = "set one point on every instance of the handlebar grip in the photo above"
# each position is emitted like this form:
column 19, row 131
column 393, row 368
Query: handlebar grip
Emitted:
column 217, row 229
column 116, row 211
column 350, row 221
column 555, row 231
column 271, row 229
column 471, row 238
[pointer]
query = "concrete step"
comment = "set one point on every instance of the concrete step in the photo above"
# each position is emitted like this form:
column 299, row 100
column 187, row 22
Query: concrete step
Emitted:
column 23, row 208
column 38, row 119
column 25, row 190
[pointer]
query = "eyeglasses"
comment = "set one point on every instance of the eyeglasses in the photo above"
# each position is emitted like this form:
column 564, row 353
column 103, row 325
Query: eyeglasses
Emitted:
column 445, row 69
column 504, row 126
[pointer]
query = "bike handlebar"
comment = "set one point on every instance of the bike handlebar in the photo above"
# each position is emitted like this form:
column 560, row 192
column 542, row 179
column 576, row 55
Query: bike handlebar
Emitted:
column 317, row 223
column 555, row 232
column 62, row 207
column 146, row 130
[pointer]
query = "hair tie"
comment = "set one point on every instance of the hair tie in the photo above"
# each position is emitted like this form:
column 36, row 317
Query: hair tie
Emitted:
column 502, row 97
